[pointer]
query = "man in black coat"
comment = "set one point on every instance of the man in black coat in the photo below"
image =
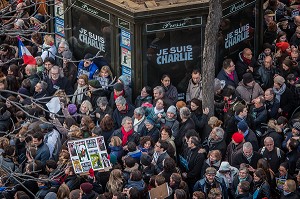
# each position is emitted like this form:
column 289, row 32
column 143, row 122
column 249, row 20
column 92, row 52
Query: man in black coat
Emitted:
column 249, row 135
column 247, row 156
column 243, row 191
column 56, row 82
column 245, row 64
column 123, row 109
column 265, row 73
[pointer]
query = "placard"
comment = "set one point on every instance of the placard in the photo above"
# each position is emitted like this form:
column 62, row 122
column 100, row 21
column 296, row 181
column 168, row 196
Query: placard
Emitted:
column 125, row 39
column 59, row 9
column 59, row 26
column 88, row 153
column 125, row 57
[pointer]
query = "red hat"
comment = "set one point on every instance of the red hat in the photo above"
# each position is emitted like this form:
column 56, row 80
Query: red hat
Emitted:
column 238, row 137
column 283, row 45
column 86, row 187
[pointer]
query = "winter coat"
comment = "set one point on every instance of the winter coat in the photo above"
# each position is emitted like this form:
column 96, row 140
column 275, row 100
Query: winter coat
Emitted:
column 134, row 137
column 90, row 71
column 229, row 82
column 240, row 158
column 42, row 153
column 194, row 91
column 140, row 185
column 62, row 83
column 73, row 182
column 138, row 125
column 232, row 150
column 274, row 157
column 159, row 163
column 241, row 67
column 251, row 137
column 263, row 190
column 265, row 77
column 259, row 116
column 236, row 182
column 292, row 195
column 171, row 93
column 244, row 196
column 118, row 116
column 48, row 51
column 70, row 71
column 195, row 161
column 248, row 93
column 287, row 103
column 139, row 100
column 183, row 128
column 7, row 164
column 108, row 110
column 292, row 157
column 91, row 195
column 200, row 120
column 153, row 133
column 43, row 190
column 173, row 124
column 117, row 152
column 5, row 121
column 272, row 108
column 203, row 186
column 53, row 141
column 233, row 172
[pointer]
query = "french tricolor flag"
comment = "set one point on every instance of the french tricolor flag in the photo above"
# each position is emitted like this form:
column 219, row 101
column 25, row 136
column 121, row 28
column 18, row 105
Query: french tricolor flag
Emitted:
column 24, row 52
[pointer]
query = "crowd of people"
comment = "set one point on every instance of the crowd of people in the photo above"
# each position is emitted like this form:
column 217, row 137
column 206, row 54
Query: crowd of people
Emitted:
column 247, row 147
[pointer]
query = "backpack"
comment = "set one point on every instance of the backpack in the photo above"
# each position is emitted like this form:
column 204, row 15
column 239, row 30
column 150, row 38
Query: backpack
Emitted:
column 277, row 151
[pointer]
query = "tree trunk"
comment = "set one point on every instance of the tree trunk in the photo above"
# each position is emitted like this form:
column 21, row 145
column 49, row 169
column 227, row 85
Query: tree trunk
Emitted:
column 209, row 54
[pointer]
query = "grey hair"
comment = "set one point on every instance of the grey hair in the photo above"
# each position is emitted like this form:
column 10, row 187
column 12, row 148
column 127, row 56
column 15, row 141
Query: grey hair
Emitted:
column 32, row 69
column 121, row 100
column 268, row 139
column 139, row 111
column 60, row 71
column 160, row 89
column 125, row 119
column 65, row 44
column 44, row 85
column 219, row 132
column 247, row 145
column 185, row 112
column 102, row 101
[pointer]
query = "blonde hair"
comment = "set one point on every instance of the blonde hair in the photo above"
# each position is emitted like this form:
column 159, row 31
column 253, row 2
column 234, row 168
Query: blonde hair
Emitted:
column 115, row 182
column 49, row 40
column 88, row 104
column 115, row 141
column 214, row 192
column 75, row 132
column 214, row 122
column 215, row 153
column 106, row 69
column 4, row 142
column 63, row 191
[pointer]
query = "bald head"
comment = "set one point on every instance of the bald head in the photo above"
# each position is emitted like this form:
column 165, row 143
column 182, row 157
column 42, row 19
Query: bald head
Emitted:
column 268, row 62
column 297, row 20
column 247, row 53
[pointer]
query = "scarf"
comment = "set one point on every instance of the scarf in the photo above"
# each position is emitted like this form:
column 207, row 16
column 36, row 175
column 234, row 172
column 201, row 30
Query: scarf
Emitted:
column 125, row 111
column 246, row 133
column 116, row 96
column 157, row 111
column 79, row 97
column 136, row 123
column 245, row 60
column 279, row 92
column 125, row 135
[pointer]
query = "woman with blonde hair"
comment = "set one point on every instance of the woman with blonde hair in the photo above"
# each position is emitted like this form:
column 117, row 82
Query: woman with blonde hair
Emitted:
column 75, row 132
column 86, row 108
column 49, row 49
column 116, row 182
column 116, row 149
column 63, row 192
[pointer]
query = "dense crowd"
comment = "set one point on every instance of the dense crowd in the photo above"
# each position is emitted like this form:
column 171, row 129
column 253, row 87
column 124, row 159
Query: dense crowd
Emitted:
column 249, row 148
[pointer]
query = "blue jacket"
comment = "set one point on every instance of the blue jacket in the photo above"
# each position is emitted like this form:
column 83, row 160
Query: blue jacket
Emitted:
column 89, row 72
column 223, row 76
column 201, row 185
column 43, row 153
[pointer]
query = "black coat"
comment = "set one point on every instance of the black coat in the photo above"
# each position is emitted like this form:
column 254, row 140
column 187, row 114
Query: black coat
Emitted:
column 183, row 128
column 287, row 102
column 239, row 158
column 264, row 77
column 241, row 67
column 134, row 137
column 153, row 133
column 272, row 157
column 290, row 196
column 244, row 196
column 73, row 182
column 118, row 116
column 264, row 190
column 62, row 83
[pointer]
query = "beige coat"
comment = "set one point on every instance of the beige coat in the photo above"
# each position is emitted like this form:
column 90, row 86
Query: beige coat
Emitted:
column 194, row 91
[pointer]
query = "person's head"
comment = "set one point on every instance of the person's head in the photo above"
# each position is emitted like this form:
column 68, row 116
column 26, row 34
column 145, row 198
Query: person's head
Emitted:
column 243, row 187
column 102, row 103
column 127, row 123
column 48, row 40
column 86, row 107
column 286, row 64
column 165, row 133
column 161, row 146
column 259, row 175
column 283, row 169
column 30, row 70
column 215, row 193
column 82, row 80
column 169, row 165
column 49, row 62
column 243, row 171
column 21, row 195
column 175, row 179
column 281, row 37
column 259, row 102
column 237, row 138
column 115, row 141
column 241, row 110
column 146, row 142
column 107, row 123
column 247, row 149
column 55, row 72
column 289, row 186
column 217, row 133
column 269, row 143
column 248, row 80
column 193, row 142
column 105, row 72
column 196, row 76
column 159, row 180
column 74, row 194
column 247, row 53
column 214, row 156
column 198, row 195
column 268, row 62
column 180, row 194
column 294, row 54
column 269, row 94
column 121, row 103
column 63, row 191
column 158, row 92
column 296, row 129
column 228, row 65
column 9, row 151
column 37, row 138
column 51, row 165
column 149, row 124
column 293, row 144
column 159, row 105
column 242, row 126
column 40, row 86
column 88, row 60
column 166, row 80
column 196, row 104
column 63, row 46
column 185, row 113
column 278, row 82
column 210, row 174
column 171, row 112
column 146, row 91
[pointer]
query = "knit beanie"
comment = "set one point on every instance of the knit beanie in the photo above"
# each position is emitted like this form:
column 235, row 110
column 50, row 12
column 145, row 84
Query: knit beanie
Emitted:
column 243, row 126
column 172, row 109
column 283, row 45
column 238, row 137
column 279, row 80
column 86, row 187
